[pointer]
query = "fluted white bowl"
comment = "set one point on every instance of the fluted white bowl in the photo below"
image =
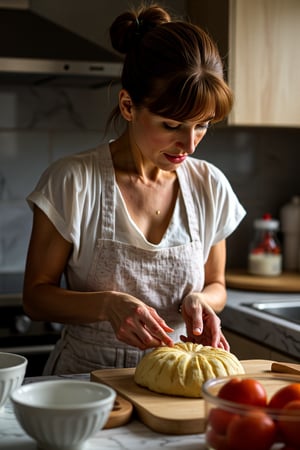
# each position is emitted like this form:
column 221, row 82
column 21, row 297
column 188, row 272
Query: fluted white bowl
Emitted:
column 62, row 414
column 12, row 372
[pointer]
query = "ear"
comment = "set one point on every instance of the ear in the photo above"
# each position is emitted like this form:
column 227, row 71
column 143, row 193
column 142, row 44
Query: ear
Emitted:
column 125, row 105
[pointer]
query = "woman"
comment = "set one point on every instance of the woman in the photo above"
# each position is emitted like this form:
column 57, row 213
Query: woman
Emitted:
column 137, row 226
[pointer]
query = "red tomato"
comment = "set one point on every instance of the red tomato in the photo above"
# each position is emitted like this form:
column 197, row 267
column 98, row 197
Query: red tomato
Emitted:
column 244, row 390
column 288, row 447
column 254, row 431
column 285, row 395
column 215, row 440
column 290, row 429
column 219, row 420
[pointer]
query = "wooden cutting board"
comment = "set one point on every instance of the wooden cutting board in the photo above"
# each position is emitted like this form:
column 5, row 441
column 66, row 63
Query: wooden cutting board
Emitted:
column 240, row 279
column 164, row 413
column 121, row 413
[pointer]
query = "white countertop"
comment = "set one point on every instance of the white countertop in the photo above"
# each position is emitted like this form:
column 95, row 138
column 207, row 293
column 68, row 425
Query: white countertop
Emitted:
column 280, row 334
column 133, row 436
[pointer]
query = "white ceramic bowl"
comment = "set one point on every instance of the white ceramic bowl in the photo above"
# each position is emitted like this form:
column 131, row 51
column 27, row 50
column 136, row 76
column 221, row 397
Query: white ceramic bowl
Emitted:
column 62, row 414
column 12, row 372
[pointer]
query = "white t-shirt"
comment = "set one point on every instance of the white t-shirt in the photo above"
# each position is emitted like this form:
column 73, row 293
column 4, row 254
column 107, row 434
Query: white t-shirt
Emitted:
column 69, row 193
column 127, row 231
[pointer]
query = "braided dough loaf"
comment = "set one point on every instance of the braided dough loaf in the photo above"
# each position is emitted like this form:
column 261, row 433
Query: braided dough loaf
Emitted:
column 181, row 370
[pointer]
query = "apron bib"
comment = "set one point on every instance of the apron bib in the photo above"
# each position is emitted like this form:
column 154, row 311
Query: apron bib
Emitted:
column 160, row 278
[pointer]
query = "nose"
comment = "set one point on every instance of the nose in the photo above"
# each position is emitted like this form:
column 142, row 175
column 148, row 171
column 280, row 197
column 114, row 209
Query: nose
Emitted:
column 189, row 140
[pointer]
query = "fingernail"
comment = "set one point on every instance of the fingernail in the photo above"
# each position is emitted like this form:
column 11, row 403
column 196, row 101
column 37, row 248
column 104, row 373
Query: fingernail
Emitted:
column 197, row 331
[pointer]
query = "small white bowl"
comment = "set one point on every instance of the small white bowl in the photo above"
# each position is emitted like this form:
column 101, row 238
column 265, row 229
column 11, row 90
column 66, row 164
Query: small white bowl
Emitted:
column 12, row 372
column 62, row 414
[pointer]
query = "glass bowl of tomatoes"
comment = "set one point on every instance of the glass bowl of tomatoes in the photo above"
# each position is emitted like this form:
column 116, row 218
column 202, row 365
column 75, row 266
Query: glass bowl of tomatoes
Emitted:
column 252, row 412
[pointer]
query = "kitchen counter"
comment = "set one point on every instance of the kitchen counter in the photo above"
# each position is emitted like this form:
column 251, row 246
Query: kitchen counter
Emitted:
column 279, row 334
column 133, row 436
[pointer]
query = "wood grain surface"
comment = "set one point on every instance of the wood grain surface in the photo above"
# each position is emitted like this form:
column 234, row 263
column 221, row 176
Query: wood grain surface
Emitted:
column 121, row 413
column 164, row 413
column 286, row 282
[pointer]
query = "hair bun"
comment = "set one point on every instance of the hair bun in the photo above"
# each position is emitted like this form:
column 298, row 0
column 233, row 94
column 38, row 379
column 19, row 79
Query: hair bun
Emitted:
column 132, row 25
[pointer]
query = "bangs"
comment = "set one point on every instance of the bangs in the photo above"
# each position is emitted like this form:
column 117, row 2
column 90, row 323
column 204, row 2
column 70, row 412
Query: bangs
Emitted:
column 202, row 96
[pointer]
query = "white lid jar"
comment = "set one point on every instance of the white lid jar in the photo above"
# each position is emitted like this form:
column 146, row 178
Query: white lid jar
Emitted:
column 265, row 255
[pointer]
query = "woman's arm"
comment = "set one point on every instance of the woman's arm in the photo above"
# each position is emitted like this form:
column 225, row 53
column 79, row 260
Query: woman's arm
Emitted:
column 133, row 322
column 214, row 292
column 43, row 299
column 199, row 308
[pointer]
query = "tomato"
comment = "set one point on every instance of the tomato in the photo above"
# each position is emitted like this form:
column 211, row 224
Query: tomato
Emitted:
column 215, row 440
column 285, row 395
column 290, row 429
column 288, row 447
column 244, row 390
column 254, row 431
column 219, row 420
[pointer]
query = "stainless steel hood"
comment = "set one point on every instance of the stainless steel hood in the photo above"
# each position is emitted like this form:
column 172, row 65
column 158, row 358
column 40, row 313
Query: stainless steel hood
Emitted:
column 36, row 51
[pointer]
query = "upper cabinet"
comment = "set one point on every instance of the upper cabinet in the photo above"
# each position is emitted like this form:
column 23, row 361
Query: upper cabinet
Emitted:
column 260, row 41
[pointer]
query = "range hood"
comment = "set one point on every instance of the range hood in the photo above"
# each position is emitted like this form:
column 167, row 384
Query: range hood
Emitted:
column 36, row 51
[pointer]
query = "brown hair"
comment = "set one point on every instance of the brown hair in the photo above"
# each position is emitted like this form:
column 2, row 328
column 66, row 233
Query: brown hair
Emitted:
column 173, row 68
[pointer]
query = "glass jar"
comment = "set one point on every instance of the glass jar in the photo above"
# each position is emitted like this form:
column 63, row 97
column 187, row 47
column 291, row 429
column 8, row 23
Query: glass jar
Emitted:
column 265, row 254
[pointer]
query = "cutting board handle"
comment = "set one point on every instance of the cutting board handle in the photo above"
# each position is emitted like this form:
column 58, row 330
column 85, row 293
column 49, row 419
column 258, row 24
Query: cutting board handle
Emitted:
column 285, row 368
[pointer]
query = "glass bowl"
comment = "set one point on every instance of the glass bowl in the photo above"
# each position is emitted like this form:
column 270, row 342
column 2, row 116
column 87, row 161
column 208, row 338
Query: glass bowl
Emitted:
column 235, row 426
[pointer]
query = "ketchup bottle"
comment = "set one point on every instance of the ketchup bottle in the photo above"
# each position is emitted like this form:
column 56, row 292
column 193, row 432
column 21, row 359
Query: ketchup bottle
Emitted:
column 265, row 254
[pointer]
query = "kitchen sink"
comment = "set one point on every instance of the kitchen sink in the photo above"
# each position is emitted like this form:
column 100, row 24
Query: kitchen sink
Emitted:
column 287, row 310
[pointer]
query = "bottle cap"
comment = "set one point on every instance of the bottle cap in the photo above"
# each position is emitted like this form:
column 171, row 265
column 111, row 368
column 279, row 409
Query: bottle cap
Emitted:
column 266, row 223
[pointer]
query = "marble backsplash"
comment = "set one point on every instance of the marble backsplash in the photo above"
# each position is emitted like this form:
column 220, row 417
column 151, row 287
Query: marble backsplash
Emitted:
column 39, row 125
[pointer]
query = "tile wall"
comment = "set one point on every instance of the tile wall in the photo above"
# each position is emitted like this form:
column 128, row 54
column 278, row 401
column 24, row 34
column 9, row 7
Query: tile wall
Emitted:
column 263, row 166
column 39, row 125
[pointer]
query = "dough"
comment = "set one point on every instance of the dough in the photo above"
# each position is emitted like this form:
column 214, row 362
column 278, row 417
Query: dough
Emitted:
column 181, row 370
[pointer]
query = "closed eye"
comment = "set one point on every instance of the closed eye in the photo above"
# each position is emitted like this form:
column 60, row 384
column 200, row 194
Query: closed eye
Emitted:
column 203, row 125
column 171, row 127
column 199, row 126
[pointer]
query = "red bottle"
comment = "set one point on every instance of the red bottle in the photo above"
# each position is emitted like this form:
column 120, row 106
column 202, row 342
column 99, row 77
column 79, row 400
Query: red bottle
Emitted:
column 265, row 254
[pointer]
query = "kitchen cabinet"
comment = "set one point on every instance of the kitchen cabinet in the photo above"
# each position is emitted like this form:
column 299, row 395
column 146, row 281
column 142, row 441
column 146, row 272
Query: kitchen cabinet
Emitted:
column 245, row 348
column 260, row 43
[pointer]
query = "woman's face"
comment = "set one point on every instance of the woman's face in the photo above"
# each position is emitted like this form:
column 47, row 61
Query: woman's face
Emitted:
column 164, row 142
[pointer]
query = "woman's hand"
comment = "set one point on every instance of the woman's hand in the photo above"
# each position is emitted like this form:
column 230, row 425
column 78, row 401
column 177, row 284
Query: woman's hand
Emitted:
column 137, row 324
column 203, row 326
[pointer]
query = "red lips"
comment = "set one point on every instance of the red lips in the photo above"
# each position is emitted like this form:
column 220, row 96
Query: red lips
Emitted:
column 175, row 159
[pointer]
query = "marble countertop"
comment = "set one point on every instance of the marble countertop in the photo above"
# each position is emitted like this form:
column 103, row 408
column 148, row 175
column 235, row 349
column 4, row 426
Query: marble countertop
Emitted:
column 133, row 436
column 280, row 334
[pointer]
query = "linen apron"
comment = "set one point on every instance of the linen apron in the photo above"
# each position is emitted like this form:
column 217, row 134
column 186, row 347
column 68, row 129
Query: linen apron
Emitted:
column 161, row 278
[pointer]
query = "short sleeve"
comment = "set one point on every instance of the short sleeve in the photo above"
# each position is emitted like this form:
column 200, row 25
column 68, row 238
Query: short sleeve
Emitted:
column 64, row 194
column 218, row 209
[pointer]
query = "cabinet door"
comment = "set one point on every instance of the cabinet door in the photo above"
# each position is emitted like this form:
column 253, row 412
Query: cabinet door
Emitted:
column 264, row 62
column 245, row 348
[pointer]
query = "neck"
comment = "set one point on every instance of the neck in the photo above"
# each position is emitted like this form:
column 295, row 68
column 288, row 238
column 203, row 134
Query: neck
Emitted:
column 128, row 158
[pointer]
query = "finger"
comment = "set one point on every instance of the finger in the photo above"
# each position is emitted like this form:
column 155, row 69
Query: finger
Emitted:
column 157, row 327
column 225, row 343
column 216, row 337
column 159, row 334
column 139, row 338
column 160, row 320
column 197, row 331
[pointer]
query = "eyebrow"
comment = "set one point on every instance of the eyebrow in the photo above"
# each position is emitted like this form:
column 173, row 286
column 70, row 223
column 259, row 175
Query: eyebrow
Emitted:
column 206, row 119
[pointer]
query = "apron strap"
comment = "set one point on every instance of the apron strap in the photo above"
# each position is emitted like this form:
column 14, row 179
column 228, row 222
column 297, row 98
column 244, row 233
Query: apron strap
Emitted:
column 108, row 196
column 187, row 189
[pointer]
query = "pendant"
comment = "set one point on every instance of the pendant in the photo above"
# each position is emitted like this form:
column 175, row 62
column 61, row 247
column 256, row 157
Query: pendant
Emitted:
column 157, row 212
